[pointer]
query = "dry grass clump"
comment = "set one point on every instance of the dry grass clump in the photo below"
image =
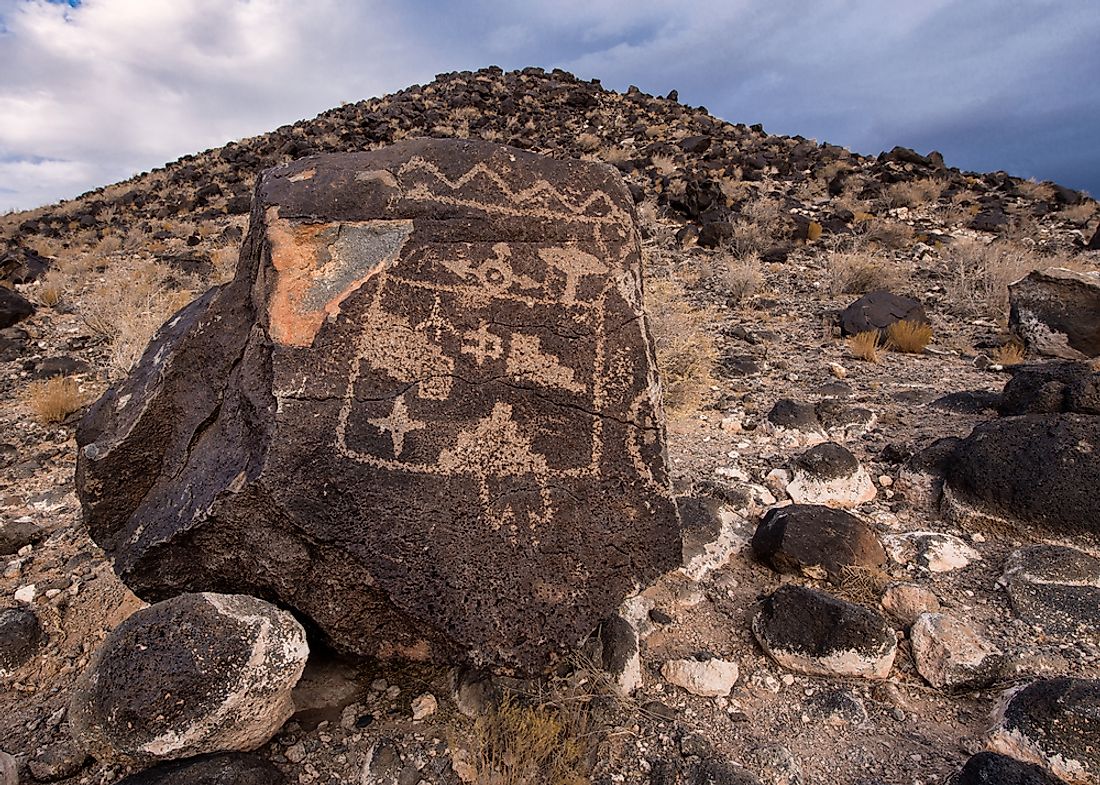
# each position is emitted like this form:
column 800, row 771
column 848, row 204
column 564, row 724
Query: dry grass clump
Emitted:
column 738, row 278
column 128, row 304
column 1012, row 353
column 686, row 351
column 887, row 233
column 52, row 400
column 914, row 192
column 861, row 271
column 862, row 584
column 522, row 744
column 1036, row 191
column 866, row 346
column 979, row 273
column 762, row 225
column 908, row 336
column 51, row 288
column 664, row 164
column 588, row 142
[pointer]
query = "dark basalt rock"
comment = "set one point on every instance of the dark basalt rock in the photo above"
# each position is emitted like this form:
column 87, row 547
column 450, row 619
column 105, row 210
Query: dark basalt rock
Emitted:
column 232, row 768
column 989, row 768
column 1051, row 388
column 20, row 637
column 827, row 461
column 1054, row 723
column 1056, row 313
column 1036, row 469
column 14, row 307
column 1057, row 589
column 809, row 538
column 795, row 415
column 424, row 414
column 813, row 632
column 15, row 534
column 878, row 310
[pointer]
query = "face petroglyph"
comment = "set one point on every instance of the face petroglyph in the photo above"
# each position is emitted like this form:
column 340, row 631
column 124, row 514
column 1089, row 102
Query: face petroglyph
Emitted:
column 430, row 413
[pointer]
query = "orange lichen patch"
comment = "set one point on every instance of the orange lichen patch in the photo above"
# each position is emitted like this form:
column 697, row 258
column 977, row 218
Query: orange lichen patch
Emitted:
column 319, row 265
column 308, row 174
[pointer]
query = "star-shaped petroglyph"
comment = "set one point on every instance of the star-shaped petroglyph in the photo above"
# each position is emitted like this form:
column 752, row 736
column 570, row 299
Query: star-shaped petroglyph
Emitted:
column 482, row 344
column 397, row 425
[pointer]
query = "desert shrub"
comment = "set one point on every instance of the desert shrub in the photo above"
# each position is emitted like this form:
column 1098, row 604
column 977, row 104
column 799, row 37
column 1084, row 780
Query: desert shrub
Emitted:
column 866, row 346
column 52, row 400
column 738, row 278
column 129, row 303
column 813, row 232
column 588, row 142
column 979, row 273
column 862, row 584
column 51, row 288
column 686, row 351
column 1012, row 353
column 224, row 262
column 761, row 225
column 886, row 233
column 664, row 164
column 909, row 337
column 861, row 271
column 1036, row 191
column 517, row 743
column 913, row 192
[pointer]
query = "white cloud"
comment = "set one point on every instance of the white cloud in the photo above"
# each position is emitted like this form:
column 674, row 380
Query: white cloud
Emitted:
column 115, row 86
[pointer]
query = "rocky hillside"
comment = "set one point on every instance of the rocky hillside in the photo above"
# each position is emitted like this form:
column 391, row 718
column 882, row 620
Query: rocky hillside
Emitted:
column 881, row 539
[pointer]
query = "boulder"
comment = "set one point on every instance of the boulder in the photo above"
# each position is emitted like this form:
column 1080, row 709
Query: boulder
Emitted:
column 815, row 633
column 905, row 602
column 196, row 674
column 1052, row 388
column 1035, row 469
column 1056, row 313
column 709, row 678
column 952, row 653
column 817, row 541
column 424, row 414
column 878, row 310
column 14, row 307
column 620, row 654
column 829, row 474
column 1057, row 590
column 931, row 551
column 230, row 768
column 1054, row 723
column 17, row 534
column 709, row 532
column 989, row 768
column 20, row 637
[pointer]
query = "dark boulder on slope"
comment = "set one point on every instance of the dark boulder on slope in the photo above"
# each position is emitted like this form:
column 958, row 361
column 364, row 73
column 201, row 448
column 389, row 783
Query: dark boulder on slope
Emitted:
column 424, row 414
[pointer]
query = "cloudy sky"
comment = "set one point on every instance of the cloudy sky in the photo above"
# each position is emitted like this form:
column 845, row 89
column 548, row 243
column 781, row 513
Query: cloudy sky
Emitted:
column 94, row 91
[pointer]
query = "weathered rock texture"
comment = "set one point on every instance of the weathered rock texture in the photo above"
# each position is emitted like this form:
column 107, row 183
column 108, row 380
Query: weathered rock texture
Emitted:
column 816, row 541
column 878, row 310
column 1056, row 313
column 195, row 674
column 424, row 414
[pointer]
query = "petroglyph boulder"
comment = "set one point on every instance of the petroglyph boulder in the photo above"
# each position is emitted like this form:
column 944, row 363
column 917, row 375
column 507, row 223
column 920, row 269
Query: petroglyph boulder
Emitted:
column 425, row 413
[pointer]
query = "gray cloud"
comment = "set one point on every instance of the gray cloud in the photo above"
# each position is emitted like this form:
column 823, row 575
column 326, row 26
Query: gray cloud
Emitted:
column 96, row 93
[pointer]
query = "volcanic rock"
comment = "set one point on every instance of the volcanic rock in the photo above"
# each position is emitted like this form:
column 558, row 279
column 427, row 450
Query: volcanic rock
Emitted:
column 1056, row 313
column 1054, row 723
column 20, row 637
column 829, row 474
column 231, row 768
column 878, row 310
column 952, row 653
column 1036, row 469
column 907, row 601
column 424, row 414
column 1055, row 387
column 14, row 307
column 17, row 534
column 989, row 768
column 620, row 655
column 812, row 632
column 1056, row 589
column 932, row 551
column 816, row 541
column 709, row 678
column 196, row 674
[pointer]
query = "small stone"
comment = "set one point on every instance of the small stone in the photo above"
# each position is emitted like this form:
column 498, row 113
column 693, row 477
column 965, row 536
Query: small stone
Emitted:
column 26, row 593
column 57, row 762
column 423, row 706
column 20, row 637
column 9, row 770
column 829, row 474
column 16, row 535
column 296, row 753
column 838, row 370
column 906, row 601
column 951, row 653
column 814, row 633
column 708, row 678
column 934, row 551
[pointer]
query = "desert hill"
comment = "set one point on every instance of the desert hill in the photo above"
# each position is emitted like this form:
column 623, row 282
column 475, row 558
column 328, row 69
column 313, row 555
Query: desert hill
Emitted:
column 753, row 246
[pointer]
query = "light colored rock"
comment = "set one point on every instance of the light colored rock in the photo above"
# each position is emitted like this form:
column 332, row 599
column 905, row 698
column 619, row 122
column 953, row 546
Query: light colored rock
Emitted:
column 934, row 551
column 26, row 593
column 952, row 653
column 424, row 705
column 829, row 474
column 906, row 601
column 711, row 535
column 9, row 772
column 195, row 674
column 620, row 655
column 711, row 678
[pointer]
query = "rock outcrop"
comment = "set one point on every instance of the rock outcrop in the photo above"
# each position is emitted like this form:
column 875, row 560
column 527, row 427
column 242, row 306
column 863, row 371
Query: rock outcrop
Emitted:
column 196, row 674
column 1056, row 313
column 425, row 413
column 876, row 311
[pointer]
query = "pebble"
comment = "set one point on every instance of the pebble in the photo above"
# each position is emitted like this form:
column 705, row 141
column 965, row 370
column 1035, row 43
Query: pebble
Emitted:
column 26, row 593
